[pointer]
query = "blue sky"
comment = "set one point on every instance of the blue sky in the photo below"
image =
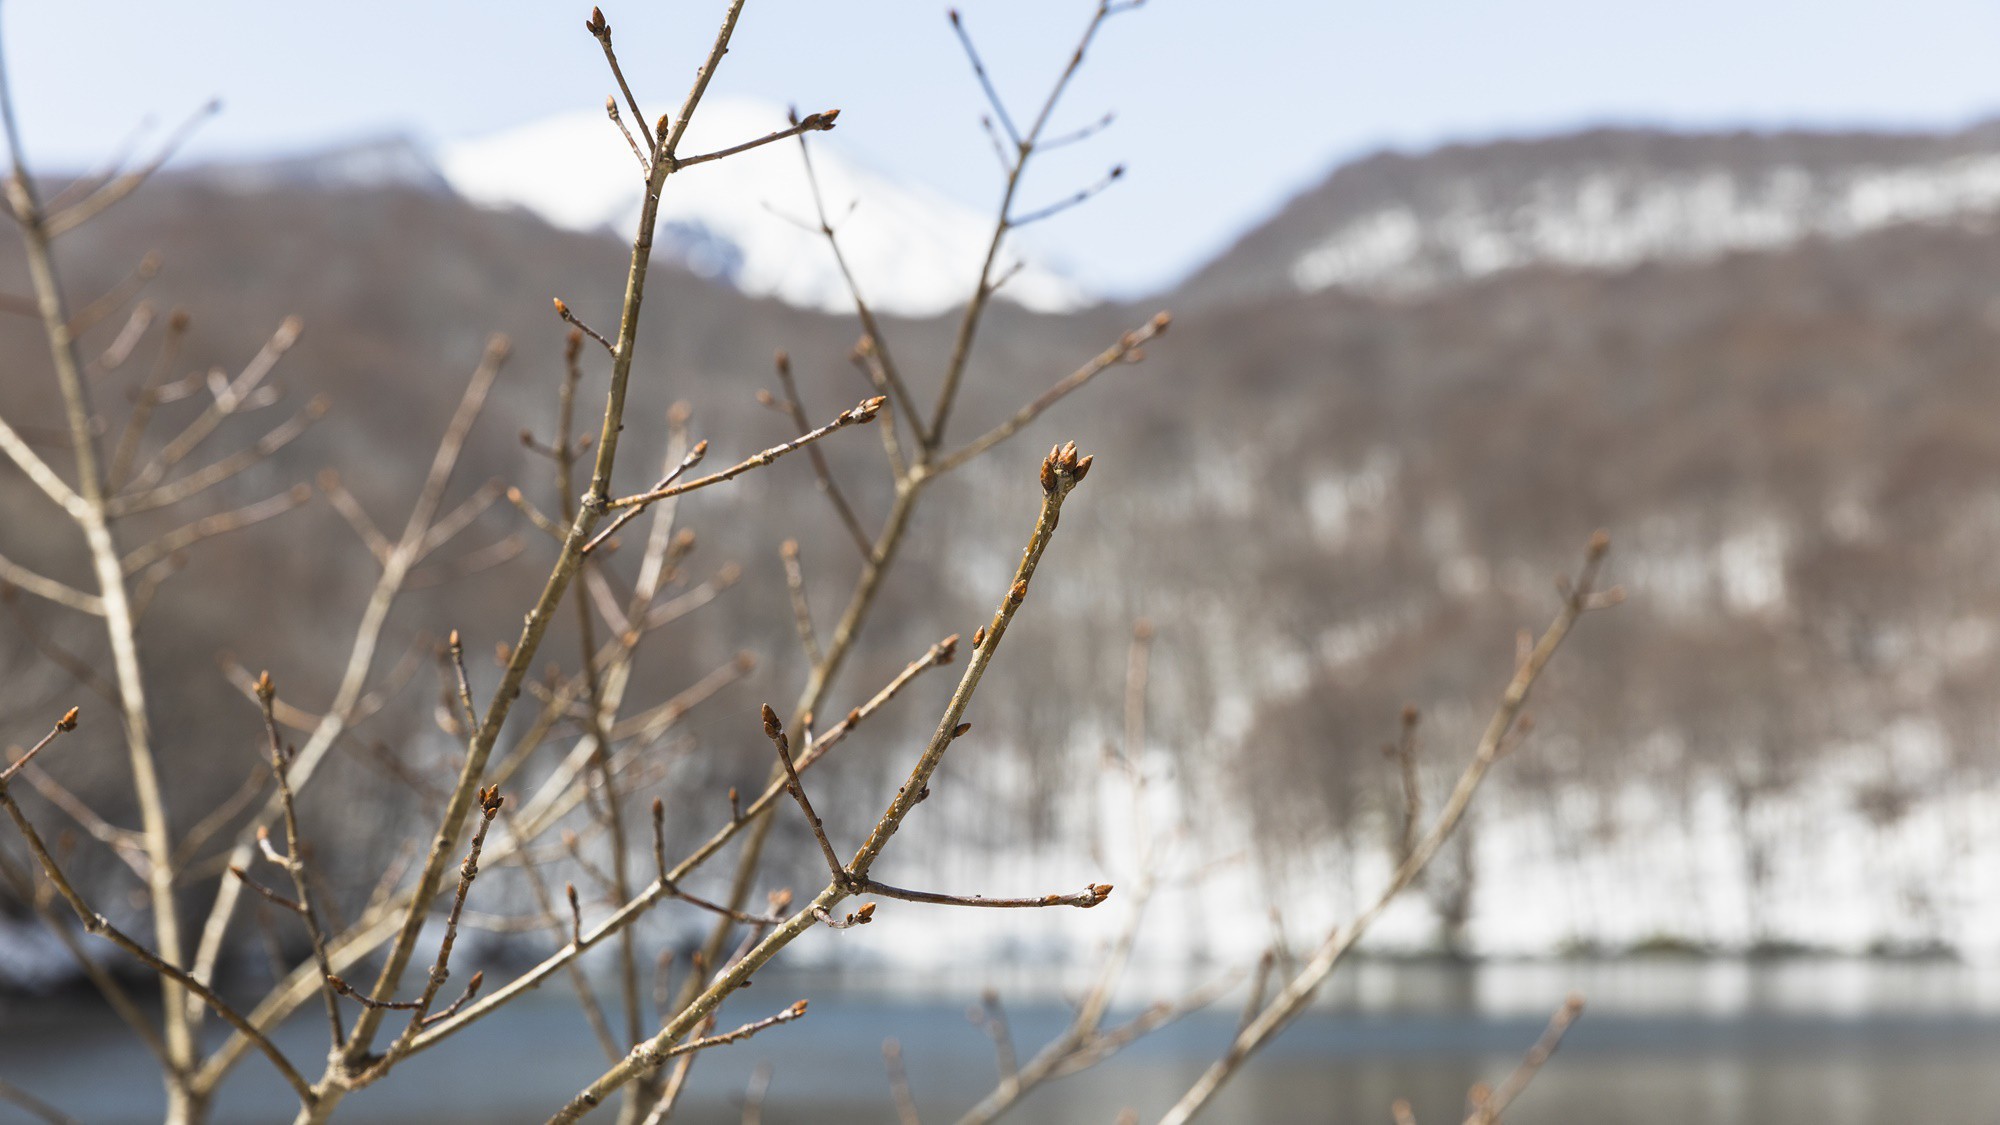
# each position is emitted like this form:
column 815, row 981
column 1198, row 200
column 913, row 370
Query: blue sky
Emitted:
column 1226, row 107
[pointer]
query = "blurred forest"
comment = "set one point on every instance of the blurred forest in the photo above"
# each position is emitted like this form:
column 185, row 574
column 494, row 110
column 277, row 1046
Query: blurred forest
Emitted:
column 1328, row 503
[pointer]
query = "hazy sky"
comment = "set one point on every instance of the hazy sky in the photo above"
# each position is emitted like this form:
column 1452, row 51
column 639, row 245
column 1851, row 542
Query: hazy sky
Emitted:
column 1226, row 107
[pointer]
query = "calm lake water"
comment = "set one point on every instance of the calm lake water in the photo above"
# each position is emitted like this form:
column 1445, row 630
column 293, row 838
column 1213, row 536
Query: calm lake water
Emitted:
column 1830, row 1042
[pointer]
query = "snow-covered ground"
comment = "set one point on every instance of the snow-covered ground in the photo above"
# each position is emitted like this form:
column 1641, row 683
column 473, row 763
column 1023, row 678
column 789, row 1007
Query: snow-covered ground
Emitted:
column 1576, row 869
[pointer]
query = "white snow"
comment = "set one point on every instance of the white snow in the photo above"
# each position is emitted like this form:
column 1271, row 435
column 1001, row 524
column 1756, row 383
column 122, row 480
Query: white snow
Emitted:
column 913, row 252
column 1608, row 218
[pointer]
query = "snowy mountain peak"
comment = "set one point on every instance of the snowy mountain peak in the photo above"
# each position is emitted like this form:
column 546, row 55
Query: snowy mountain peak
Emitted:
column 738, row 220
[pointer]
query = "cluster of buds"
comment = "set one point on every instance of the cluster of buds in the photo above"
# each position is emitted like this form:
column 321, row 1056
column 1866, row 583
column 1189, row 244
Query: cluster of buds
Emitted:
column 1063, row 462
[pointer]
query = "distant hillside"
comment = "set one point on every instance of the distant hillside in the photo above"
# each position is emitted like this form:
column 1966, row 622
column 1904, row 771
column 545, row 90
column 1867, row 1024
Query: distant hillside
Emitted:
column 1403, row 224
column 1328, row 501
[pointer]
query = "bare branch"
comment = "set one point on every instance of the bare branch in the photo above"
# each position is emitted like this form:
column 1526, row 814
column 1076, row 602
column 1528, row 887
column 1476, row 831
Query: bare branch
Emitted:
column 985, row 82
column 21, row 577
column 1078, row 198
column 601, row 30
column 899, row 1083
column 865, row 411
column 115, row 298
column 811, row 123
column 1128, row 349
column 211, row 475
column 210, row 526
column 570, row 318
column 1488, row 1111
column 34, row 1105
column 775, row 731
column 1088, row 897
column 795, row 407
column 351, row 510
column 795, row 583
column 63, row 726
column 98, row 201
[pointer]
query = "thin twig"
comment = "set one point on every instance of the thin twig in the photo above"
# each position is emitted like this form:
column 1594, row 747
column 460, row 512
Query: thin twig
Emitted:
column 899, row 1083
column 1489, row 1110
column 601, row 30
column 795, row 584
column 795, row 406
column 811, row 123
column 865, row 411
column 34, row 1105
column 775, row 731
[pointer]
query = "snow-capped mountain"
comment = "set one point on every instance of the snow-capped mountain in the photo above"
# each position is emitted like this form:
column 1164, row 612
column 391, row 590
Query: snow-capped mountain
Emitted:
column 1402, row 225
column 913, row 252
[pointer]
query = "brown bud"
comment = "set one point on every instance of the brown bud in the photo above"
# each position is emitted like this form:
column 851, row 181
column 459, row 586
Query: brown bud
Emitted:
column 979, row 636
column 562, row 310
column 265, row 688
column 746, row 663
column 68, row 721
column 1049, row 474
column 1018, row 594
column 766, row 398
column 959, row 730
column 1082, row 468
column 772, row 729
column 1161, row 320
column 789, row 548
column 864, row 916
